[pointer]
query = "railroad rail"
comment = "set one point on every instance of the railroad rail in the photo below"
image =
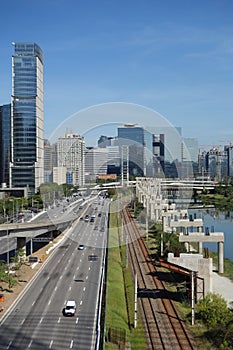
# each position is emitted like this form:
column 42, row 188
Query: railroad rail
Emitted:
column 165, row 329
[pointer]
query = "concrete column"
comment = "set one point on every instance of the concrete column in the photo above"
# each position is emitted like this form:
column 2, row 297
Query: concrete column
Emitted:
column 220, row 257
column 200, row 247
column 186, row 244
column 21, row 244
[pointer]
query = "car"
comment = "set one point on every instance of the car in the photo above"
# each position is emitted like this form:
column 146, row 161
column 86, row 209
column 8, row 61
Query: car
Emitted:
column 80, row 247
column 99, row 215
column 70, row 308
column 92, row 219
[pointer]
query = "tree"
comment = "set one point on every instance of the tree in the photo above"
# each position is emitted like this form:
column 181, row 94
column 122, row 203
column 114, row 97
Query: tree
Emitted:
column 213, row 310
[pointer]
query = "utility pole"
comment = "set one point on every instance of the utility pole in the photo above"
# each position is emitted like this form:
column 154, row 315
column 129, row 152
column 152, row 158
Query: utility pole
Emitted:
column 135, row 300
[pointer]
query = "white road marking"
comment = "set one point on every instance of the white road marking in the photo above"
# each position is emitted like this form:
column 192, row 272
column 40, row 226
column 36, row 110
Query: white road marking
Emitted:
column 76, row 320
column 71, row 344
column 89, row 268
column 74, row 277
column 9, row 345
column 81, row 302
column 70, row 288
column 29, row 345
column 86, row 277
column 41, row 319
column 84, row 289
column 23, row 321
column 59, row 320
column 33, row 302
column 49, row 302
column 51, row 343
column 55, row 288
column 60, row 277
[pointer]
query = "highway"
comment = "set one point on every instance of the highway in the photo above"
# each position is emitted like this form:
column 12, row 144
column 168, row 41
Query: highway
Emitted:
column 36, row 321
column 65, row 210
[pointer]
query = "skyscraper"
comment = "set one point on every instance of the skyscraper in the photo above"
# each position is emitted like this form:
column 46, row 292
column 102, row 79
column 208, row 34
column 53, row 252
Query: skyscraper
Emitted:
column 140, row 145
column 27, row 117
column 5, row 117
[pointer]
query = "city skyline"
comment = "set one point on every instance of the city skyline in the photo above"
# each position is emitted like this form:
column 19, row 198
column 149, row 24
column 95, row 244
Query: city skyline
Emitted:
column 174, row 58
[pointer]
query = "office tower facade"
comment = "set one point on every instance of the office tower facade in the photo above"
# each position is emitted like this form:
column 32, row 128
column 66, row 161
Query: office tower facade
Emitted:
column 27, row 117
column 140, row 145
column 48, row 162
column 229, row 151
column 5, row 129
column 96, row 162
column 71, row 155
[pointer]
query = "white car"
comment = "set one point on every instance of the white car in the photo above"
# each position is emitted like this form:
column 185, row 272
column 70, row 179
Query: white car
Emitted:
column 70, row 308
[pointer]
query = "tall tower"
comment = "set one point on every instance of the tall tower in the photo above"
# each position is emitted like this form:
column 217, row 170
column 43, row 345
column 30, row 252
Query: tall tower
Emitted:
column 5, row 118
column 27, row 117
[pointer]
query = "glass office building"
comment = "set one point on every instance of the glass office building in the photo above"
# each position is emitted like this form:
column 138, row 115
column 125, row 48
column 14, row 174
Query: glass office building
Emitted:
column 5, row 117
column 140, row 145
column 27, row 117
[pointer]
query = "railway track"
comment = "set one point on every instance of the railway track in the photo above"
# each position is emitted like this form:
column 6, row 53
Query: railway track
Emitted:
column 165, row 330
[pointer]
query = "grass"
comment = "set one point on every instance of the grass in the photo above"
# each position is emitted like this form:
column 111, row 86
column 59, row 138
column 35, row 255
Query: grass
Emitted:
column 120, row 292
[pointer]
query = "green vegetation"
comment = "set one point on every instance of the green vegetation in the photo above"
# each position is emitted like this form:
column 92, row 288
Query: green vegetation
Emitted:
column 221, row 197
column 120, row 295
column 214, row 322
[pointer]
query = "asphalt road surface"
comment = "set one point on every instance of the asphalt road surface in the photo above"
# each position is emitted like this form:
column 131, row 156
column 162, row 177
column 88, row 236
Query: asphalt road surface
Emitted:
column 37, row 320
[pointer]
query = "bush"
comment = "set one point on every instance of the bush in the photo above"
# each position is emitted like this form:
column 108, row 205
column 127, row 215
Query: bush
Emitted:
column 213, row 310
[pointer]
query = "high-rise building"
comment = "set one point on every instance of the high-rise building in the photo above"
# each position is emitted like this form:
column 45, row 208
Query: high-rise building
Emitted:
column 5, row 118
column 71, row 155
column 27, row 117
column 96, row 162
column 140, row 145
column 48, row 161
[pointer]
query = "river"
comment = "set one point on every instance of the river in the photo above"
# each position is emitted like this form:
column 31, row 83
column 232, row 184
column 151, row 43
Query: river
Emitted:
column 216, row 221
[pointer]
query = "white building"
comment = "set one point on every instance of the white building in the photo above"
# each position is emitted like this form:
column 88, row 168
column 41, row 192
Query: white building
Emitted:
column 71, row 154
column 96, row 162
column 59, row 175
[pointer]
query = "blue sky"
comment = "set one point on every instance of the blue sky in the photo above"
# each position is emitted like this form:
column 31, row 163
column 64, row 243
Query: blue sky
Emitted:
column 175, row 57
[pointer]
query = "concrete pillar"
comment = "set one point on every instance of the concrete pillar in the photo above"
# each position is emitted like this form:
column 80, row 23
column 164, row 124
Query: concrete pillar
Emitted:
column 200, row 247
column 220, row 257
column 21, row 244
column 186, row 244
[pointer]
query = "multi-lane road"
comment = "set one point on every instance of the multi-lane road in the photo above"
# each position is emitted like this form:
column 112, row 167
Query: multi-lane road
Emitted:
column 36, row 321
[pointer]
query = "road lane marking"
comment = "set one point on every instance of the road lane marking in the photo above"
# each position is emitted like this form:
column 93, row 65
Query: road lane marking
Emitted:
column 60, row 277
column 76, row 320
column 33, row 302
column 50, row 344
column 70, row 288
column 71, row 344
column 84, row 289
column 55, row 288
column 81, row 302
column 89, row 268
column 49, row 302
column 41, row 319
column 29, row 345
column 86, row 277
column 59, row 320
column 74, row 277
column 9, row 345
column 23, row 321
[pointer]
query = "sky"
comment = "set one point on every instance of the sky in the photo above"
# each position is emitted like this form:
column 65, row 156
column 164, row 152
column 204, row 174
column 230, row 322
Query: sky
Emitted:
column 172, row 56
